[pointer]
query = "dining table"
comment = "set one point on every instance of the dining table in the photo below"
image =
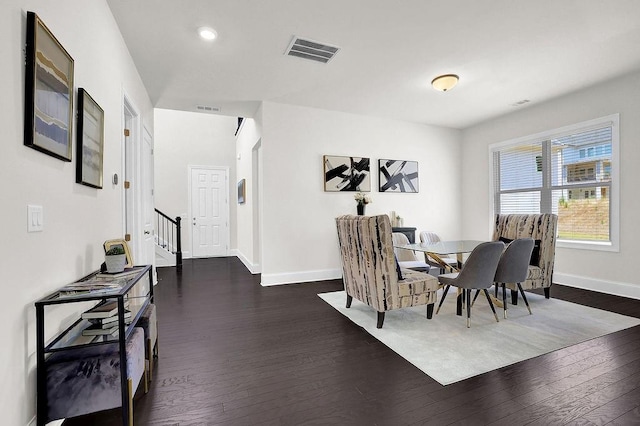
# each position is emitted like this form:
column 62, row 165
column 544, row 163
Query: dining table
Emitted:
column 441, row 249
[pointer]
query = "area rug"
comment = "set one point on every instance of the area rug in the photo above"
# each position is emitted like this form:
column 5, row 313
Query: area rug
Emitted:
column 446, row 350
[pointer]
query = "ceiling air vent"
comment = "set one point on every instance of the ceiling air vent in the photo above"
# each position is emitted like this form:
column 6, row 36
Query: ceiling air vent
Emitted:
column 206, row 108
column 309, row 49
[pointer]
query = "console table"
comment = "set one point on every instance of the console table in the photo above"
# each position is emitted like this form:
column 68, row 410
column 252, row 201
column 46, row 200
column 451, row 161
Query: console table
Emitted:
column 133, row 289
column 409, row 232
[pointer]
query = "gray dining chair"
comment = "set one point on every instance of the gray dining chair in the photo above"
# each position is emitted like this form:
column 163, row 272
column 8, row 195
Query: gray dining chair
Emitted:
column 478, row 272
column 513, row 268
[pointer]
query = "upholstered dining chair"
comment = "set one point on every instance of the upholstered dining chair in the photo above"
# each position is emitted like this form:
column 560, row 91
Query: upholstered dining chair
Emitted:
column 540, row 227
column 431, row 238
column 407, row 258
column 514, row 267
column 478, row 272
column 370, row 272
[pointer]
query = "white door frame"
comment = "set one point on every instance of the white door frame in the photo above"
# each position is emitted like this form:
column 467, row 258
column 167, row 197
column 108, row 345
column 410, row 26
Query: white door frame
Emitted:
column 256, row 202
column 227, row 234
column 130, row 159
column 147, row 234
column 132, row 208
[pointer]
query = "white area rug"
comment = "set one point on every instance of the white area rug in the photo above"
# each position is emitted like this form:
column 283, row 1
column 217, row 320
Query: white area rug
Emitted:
column 446, row 350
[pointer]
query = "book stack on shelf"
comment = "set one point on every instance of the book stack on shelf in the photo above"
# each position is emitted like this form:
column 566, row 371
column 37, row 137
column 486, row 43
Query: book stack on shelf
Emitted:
column 104, row 319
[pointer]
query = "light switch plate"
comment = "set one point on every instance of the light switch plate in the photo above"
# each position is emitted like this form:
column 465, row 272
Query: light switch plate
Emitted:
column 35, row 218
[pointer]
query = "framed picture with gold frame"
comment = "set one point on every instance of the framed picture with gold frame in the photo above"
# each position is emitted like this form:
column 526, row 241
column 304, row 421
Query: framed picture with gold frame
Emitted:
column 48, row 109
column 120, row 242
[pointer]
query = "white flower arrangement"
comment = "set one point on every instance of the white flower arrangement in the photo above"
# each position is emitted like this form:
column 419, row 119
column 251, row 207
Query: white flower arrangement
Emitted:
column 362, row 199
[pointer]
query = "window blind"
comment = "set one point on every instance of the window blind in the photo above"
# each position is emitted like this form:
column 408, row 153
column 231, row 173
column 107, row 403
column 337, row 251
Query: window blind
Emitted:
column 570, row 176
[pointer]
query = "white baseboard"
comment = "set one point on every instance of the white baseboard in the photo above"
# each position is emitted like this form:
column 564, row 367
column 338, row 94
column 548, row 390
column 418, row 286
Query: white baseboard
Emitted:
column 301, row 277
column 254, row 268
column 609, row 287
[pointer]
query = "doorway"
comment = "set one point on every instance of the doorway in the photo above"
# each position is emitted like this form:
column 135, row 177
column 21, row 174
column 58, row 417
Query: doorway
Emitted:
column 137, row 184
column 209, row 210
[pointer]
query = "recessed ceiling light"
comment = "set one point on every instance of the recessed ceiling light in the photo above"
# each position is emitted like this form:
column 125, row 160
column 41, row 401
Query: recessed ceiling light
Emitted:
column 444, row 82
column 207, row 33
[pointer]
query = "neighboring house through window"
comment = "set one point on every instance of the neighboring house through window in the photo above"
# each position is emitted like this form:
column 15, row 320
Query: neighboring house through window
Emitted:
column 572, row 172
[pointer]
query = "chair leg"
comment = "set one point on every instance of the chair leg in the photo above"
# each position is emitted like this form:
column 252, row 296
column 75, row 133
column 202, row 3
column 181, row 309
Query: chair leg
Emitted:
column 504, row 300
column 486, row 293
column 430, row 310
column 150, row 352
column 546, row 292
column 349, row 300
column 380, row 319
column 495, row 290
column 146, row 380
column 475, row 297
column 526, row 302
column 444, row 294
column 514, row 297
column 468, row 291
column 130, row 386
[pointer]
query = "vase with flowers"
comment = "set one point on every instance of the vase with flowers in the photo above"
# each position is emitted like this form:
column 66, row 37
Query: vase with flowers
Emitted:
column 361, row 200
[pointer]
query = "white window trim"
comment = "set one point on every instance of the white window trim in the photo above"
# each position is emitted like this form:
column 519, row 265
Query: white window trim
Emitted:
column 614, row 220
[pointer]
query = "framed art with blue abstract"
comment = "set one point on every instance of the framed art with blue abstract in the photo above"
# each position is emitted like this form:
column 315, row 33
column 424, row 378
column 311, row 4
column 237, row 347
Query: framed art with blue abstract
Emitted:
column 90, row 141
column 48, row 92
column 346, row 174
column 398, row 176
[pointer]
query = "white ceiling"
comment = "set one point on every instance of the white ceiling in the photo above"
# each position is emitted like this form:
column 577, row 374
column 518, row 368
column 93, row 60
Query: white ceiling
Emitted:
column 505, row 51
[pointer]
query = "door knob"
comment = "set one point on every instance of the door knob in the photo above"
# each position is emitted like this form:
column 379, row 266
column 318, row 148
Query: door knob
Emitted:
column 147, row 232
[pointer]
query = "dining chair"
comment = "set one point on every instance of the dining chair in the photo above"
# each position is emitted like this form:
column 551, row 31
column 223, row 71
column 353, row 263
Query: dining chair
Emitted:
column 431, row 238
column 407, row 258
column 513, row 268
column 369, row 268
column 542, row 228
column 478, row 272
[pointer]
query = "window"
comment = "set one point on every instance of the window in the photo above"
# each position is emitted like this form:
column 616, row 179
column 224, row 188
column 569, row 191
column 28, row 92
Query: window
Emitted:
column 571, row 172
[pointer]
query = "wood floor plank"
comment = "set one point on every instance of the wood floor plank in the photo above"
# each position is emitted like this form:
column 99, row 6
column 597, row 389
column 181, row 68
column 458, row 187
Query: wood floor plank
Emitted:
column 235, row 353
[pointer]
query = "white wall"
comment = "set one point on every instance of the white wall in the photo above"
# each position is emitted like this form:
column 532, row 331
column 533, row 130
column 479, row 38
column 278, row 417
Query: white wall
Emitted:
column 77, row 219
column 299, row 241
column 185, row 139
column 601, row 271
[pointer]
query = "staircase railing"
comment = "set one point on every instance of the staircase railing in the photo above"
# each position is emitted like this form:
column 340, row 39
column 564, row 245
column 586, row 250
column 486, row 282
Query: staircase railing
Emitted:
column 168, row 235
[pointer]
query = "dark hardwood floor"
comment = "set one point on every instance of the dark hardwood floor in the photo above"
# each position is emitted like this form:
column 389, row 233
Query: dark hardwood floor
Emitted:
column 235, row 353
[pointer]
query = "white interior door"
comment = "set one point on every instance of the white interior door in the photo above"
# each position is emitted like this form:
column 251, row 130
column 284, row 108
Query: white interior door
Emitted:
column 146, row 189
column 209, row 211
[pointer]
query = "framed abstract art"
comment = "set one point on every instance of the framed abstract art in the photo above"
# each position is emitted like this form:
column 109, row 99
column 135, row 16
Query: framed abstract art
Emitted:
column 48, row 92
column 346, row 174
column 90, row 141
column 398, row 176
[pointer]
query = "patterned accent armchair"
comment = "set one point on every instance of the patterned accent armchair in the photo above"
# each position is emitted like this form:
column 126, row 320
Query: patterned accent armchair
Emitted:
column 370, row 272
column 540, row 227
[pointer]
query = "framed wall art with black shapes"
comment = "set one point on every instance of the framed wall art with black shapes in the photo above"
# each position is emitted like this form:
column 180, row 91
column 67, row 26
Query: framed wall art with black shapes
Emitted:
column 398, row 175
column 346, row 174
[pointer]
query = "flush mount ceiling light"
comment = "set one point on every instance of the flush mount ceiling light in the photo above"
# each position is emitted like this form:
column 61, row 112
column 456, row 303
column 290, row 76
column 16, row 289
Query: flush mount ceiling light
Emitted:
column 444, row 82
column 207, row 33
